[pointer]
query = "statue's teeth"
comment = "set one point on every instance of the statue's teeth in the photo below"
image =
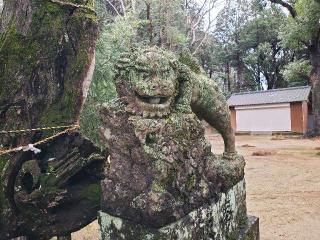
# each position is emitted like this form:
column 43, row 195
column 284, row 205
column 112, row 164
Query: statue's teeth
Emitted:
column 145, row 114
column 154, row 100
column 152, row 114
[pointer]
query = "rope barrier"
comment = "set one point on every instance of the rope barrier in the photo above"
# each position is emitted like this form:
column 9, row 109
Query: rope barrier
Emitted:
column 30, row 146
column 36, row 129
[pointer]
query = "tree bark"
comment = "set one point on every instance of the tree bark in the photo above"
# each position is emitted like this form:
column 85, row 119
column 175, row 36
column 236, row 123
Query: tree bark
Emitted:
column 46, row 64
column 227, row 72
column 314, row 49
column 150, row 26
column 67, row 237
column 289, row 7
column 240, row 68
column 315, row 81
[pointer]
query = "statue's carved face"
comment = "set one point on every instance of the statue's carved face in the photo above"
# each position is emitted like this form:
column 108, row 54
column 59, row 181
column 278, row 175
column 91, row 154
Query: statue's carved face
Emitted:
column 152, row 84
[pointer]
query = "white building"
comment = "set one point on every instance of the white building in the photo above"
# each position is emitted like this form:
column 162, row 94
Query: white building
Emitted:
column 279, row 110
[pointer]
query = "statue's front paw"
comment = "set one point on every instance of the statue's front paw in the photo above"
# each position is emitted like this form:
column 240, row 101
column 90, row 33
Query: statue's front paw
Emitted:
column 231, row 155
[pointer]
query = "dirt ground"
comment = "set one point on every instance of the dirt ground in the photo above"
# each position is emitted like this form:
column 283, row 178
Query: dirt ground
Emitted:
column 283, row 188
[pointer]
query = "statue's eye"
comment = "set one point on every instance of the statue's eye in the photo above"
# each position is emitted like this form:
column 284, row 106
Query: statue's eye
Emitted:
column 164, row 73
column 144, row 75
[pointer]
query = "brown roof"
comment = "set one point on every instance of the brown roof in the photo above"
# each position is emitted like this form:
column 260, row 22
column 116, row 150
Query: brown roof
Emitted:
column 281, row 95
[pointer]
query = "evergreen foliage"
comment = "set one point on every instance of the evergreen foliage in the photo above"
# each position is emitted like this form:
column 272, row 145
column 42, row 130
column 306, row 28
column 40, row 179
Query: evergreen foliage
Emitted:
column 254, row 44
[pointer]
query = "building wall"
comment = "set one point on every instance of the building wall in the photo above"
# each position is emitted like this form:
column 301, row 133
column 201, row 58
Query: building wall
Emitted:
column 299, row 117
column 292, row 117
column 233, row 118
column 263, row 118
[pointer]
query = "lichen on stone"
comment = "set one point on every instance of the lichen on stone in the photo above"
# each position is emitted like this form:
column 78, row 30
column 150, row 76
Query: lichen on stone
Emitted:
column 161, row 166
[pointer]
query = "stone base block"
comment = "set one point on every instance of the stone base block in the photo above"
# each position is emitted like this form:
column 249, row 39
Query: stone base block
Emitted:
column 225, row 219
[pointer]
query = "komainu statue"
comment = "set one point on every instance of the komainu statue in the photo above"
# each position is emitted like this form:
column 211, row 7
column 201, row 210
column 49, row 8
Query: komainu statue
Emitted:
column 161, row 180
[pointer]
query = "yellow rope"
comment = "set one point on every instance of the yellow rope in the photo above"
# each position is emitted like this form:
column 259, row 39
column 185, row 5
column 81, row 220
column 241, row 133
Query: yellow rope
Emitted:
column 37, row 129
column 17, row 149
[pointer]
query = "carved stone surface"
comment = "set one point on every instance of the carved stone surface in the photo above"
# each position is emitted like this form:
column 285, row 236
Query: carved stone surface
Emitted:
column 161, row 170
column 221, row 220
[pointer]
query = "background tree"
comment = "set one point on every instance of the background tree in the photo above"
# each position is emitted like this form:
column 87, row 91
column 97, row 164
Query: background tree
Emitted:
column 265, row 56
column 124, row 25
column 251, row 50
column 249, row 45
column 301, row 31
column 232, row 18
column 297, row 73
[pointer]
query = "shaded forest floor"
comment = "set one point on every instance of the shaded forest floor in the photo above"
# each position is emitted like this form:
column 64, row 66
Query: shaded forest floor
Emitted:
column 283, row 188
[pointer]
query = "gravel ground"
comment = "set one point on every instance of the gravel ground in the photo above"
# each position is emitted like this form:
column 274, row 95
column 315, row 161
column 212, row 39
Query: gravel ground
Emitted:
column 283, row 188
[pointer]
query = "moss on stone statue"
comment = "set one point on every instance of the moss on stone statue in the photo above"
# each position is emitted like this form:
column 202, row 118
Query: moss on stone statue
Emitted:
column 215, row 220
column 190, row 61
column 157, row 140
column 191, row 181
column 92, row 192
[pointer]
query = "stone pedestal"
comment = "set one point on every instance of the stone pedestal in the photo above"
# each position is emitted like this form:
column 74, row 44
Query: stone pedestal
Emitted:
column 223, row 219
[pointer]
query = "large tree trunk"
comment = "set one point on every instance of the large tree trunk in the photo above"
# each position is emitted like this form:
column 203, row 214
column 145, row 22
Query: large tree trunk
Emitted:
column 227, row 72
column 46, row 64
column 149, row 19
column 314, row 49
column 240, row 68
column 315, row 81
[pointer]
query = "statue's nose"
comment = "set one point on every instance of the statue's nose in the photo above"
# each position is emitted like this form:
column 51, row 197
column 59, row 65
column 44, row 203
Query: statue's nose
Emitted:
column 156, row 89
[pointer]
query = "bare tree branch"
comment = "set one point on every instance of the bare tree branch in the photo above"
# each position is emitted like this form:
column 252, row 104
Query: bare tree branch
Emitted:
column 206, row 32
column 133, row 6
column 123, row 7
column 287, row 6
column 187, row 5
column 204, row 10
column 113, row 7
column 195, row 19
column 199, row 10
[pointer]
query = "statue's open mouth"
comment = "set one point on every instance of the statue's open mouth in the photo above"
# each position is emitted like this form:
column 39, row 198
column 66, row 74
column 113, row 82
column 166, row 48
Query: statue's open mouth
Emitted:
column 153, row 100
column 154, row 106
